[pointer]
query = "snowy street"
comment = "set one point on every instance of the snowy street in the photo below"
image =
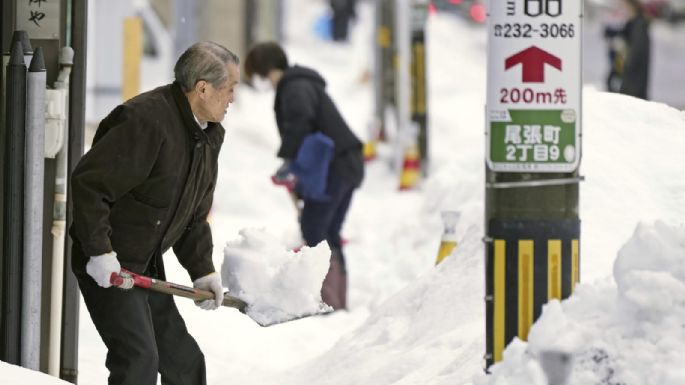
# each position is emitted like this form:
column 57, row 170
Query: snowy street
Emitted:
column 413, row 323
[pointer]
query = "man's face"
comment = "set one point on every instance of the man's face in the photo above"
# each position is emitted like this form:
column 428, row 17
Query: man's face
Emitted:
column 215, row 100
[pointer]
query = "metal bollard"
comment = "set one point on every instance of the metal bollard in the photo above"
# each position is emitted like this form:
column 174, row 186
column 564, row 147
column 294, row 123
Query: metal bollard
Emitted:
column 33, row 212
column 13, row 164
column 27, row 49
column 449, row 236
column 557, row 366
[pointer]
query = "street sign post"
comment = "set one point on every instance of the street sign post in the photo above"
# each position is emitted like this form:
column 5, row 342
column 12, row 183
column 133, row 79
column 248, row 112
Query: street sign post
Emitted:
column 533, row 127
column 534, row 86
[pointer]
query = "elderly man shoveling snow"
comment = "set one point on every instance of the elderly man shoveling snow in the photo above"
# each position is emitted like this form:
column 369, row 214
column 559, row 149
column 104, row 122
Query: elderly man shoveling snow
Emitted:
column 270, row 284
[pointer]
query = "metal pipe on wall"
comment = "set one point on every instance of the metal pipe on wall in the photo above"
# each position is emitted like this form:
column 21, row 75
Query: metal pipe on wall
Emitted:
column 59, row 222
column 33, row 212
column 13, row 212
column 76, row 124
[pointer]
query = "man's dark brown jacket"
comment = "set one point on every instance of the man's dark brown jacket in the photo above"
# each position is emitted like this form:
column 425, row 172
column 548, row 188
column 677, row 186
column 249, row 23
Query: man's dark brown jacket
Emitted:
column 147, row 184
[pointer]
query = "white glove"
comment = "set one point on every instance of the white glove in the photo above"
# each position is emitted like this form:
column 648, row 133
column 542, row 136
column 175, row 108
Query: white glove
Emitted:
column 210, row 282
column 101, row 267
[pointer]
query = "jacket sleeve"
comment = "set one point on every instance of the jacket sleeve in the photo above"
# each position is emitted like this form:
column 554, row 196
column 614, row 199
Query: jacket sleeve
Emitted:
column 121, row 158
column 298, row 106
column 194, row 248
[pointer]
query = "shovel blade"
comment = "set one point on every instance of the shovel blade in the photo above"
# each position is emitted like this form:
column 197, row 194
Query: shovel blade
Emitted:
column 199, row 295
column 270, row 321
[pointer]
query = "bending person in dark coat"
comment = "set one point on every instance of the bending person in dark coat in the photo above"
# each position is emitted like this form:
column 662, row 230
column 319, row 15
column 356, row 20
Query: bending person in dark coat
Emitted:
column 145, row 186
column 303, row 107
column 636, row 65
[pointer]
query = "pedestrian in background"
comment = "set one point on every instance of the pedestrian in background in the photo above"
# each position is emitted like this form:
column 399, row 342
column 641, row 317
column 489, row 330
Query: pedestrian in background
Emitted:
column 145, row 186
column 303, row 109
column 343, row 12
column 613, row 35
column 635, row 74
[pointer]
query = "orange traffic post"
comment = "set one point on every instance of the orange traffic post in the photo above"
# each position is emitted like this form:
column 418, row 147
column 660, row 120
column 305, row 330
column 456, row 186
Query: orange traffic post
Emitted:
column 411, row 168
column 411, row 161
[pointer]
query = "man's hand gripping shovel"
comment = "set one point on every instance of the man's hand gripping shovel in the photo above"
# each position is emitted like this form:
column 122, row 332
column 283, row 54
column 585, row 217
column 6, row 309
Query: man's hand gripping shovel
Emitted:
column 128, row 279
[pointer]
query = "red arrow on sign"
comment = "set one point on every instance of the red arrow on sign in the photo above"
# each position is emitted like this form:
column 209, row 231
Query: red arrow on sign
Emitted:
column 533, row 61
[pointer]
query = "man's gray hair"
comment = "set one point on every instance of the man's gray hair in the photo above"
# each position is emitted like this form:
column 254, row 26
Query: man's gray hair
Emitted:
column 204, row 61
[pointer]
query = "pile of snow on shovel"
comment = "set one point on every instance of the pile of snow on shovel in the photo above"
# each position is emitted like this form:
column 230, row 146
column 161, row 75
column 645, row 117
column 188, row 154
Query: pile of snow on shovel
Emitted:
column 277, row 284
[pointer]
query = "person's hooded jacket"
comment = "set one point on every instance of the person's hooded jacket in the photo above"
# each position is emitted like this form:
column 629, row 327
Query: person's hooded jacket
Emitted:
column 302, row 107
column 147, row 184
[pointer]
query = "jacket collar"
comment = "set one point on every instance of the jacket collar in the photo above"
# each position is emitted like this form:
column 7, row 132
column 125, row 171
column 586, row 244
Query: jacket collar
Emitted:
column 212, row 135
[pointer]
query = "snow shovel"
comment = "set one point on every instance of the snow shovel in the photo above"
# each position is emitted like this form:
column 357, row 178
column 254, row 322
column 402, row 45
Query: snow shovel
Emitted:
column 160, row 286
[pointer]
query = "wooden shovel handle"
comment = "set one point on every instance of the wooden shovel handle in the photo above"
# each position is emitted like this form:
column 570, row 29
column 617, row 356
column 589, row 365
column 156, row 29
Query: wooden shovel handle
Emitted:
column 174, row 289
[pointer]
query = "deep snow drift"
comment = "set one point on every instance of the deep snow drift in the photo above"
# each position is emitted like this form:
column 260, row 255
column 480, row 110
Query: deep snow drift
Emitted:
column 631, row 333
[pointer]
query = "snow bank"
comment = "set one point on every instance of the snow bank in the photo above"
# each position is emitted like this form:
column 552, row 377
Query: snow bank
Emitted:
column 16, row 375
column 424, row 334
column 277, row 283
column 633, row 163
column 629, row 333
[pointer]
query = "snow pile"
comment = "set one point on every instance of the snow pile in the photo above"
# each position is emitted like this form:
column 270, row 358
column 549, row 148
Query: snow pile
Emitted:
column 429, row 333
column 633, row 162
column 278, row 284
column 653, row 261
column 631, row 333
column 16, row 375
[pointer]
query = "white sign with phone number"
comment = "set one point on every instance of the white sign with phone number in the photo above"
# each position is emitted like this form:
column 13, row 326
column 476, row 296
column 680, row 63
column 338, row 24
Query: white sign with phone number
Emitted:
column 534, row 66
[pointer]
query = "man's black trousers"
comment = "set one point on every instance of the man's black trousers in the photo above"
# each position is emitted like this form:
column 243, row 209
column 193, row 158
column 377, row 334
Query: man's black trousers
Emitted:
column 144, row 334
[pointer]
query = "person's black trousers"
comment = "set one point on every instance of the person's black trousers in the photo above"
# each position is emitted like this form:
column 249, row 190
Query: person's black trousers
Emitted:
column 340, row 25
column 323, row 220
column 144, row 334
column 343, row 12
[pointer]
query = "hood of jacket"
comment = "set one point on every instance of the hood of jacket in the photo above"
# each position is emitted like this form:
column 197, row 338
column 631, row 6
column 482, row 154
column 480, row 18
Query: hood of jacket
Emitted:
column 297, row 72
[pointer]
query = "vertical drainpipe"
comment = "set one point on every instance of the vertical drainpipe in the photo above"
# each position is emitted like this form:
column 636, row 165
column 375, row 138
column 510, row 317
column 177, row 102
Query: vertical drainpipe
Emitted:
column 76, row 124
column 59, row 225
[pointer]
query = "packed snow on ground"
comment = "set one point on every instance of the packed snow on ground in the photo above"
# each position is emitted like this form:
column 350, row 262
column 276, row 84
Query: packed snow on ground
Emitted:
column 16, row 375
column 410, row 322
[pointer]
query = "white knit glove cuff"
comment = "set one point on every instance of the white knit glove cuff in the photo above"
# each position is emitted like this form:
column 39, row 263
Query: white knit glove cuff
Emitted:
column 101, row 267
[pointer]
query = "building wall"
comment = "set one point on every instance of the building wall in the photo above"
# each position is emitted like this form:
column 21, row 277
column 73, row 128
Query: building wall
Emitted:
column 223, row 21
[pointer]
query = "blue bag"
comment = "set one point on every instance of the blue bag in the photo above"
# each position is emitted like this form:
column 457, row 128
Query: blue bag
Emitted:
column 323, row 27
column 311, row 166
